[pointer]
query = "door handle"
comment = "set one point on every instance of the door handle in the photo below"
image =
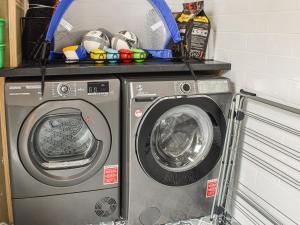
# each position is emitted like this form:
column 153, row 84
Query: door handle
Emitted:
column 146, row 98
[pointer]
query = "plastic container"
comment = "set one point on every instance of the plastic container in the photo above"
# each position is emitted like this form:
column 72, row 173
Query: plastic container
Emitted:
column 151, row 20
column 98, row 54
column 2, row 46
column 2, row 31
column 75, row 53
column 112, row 55
column 126, row 55
column 160, row 54
column 139, row 55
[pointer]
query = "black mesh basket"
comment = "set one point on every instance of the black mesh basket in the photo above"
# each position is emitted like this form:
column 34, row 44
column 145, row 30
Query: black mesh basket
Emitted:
column 34, row 30
column 34, row 27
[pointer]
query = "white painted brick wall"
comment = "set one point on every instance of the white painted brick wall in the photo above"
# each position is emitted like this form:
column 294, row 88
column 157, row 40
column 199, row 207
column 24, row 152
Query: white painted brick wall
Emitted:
column 261, row 38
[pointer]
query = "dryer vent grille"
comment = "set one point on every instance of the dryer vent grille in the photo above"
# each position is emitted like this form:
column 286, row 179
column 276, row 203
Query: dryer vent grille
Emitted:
column 105, row 207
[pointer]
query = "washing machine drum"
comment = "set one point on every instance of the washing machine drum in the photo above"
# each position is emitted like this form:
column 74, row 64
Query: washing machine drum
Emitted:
column 180, row 140
column 63, row 143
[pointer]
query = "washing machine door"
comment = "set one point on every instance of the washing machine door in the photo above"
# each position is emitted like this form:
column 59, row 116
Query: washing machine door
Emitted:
column 180, row 139
column 63, row 143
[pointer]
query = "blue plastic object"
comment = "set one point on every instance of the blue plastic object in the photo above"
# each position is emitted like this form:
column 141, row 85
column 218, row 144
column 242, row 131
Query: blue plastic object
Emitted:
column 160, row 54
column 166, row 14
column 56, row 18
column 159, row 5
column 55, row 56
column 77, row 52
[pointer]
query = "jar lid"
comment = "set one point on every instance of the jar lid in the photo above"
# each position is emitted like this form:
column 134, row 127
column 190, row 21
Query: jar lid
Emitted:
column 137, row 50
column 110, row 50
column 123, row 50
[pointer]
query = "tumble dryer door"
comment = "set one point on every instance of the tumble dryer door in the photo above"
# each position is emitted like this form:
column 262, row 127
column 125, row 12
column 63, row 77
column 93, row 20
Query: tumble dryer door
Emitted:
column 180, row 139
column 63, row 143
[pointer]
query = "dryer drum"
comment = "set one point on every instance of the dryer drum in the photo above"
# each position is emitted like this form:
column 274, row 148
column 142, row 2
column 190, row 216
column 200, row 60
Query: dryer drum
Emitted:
column 180, row 140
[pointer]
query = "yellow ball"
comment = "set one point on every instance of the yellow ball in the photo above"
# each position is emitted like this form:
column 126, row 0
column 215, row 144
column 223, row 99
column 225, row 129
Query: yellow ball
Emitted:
column 98, row 54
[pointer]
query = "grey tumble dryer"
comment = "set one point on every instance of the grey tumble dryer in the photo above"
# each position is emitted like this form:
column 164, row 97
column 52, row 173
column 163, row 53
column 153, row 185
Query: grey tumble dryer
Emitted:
column 64, row 151
column 174, row 129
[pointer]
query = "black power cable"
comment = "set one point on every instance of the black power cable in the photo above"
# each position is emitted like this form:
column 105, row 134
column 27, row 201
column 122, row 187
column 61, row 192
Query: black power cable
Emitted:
column 43, row 64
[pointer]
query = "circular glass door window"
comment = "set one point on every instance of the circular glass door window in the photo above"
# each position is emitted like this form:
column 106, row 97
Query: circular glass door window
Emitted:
column 181, row 138
column 61, row 141
column 64, row 143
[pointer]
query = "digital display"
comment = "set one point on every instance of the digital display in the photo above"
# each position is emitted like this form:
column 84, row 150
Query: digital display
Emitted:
column 98, row 87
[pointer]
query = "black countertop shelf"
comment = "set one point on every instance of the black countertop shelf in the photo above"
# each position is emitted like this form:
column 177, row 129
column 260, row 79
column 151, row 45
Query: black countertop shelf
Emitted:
column 160, row 66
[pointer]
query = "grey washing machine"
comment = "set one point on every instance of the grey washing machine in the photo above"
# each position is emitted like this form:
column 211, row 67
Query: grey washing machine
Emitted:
column 174, row 129
column 64, row 151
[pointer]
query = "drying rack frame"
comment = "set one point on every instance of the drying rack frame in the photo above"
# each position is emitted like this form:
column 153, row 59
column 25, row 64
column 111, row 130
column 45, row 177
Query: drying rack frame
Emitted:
column 219, row 212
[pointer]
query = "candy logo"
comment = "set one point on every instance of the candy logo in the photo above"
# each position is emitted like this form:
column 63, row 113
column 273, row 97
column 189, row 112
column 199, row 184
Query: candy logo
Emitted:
column 138, row 113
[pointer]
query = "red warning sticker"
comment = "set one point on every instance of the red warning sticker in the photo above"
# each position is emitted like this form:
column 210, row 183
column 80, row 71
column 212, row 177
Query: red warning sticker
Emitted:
column 211, row 189
column 111, row 175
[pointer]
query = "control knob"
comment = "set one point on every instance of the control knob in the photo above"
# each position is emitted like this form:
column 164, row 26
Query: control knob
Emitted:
column 185, row 87
column 64, row 89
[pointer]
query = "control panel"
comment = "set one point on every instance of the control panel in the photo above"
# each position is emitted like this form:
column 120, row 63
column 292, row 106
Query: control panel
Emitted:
column 214, row 86
column 30, row 93
column 72, row 89
column 152, row 89
column 185, row 87
column 98, row 87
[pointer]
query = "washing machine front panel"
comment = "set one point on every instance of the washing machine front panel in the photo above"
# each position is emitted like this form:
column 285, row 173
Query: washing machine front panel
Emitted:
column 81, row 208
column 95, row 111
column 180, row 140
column 145, row 199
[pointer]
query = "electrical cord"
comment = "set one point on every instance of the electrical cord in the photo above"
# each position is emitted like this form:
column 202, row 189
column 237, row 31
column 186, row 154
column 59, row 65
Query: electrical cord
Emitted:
column 43, row 64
